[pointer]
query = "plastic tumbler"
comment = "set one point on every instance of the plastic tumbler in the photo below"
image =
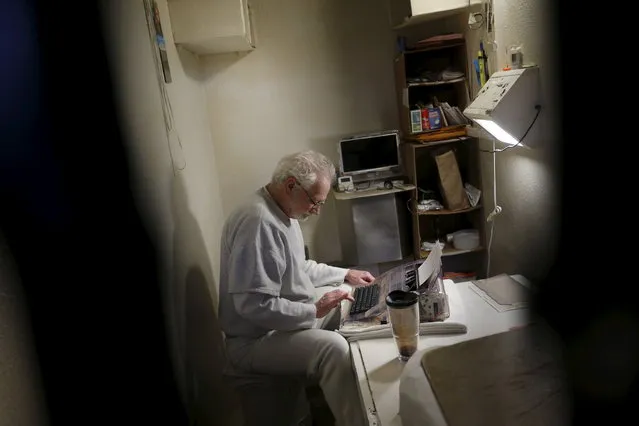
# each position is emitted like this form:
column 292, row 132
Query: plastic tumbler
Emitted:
column 403, row 313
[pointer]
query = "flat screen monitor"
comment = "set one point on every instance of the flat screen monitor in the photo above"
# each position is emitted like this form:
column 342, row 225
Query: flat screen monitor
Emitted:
column 372, row 156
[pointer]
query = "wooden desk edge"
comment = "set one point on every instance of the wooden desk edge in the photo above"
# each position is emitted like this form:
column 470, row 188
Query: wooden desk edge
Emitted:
column 368, row 403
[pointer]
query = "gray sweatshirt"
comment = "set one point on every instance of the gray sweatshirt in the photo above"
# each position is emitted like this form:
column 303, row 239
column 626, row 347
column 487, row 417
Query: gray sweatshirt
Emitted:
column 265, row 281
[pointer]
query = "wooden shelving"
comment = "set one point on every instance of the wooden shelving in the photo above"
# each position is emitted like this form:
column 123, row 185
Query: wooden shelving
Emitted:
column 446, row 211
column 419, row 150
column 449, row 251
column 437, row 83
column 437, row 46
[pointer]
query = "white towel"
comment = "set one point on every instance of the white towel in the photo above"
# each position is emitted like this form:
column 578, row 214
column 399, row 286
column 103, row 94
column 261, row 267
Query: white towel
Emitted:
column 455, row 323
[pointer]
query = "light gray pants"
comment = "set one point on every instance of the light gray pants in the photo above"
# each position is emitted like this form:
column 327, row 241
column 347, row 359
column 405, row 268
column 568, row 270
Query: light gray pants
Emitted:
column 320, row 354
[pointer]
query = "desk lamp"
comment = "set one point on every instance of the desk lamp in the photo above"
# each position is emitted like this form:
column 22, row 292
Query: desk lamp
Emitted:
column 508, row 104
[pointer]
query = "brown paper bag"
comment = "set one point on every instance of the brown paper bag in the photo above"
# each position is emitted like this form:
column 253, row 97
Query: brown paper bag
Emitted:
column 451, row 184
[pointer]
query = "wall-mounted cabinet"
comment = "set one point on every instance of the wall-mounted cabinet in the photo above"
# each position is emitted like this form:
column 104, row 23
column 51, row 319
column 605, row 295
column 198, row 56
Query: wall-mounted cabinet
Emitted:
column 410, row 12
column 207, row 27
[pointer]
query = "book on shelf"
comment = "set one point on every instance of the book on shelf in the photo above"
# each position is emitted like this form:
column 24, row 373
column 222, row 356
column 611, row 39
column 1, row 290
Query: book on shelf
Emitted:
column 454, row 116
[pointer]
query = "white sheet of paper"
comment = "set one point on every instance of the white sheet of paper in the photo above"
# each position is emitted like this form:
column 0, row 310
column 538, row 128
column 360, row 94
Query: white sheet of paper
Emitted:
column 430, row 266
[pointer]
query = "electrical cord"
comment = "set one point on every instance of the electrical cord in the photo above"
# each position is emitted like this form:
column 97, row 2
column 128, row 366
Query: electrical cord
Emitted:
column 167, row 110
column 408, row 205
column 495, row 212
column 497, row 209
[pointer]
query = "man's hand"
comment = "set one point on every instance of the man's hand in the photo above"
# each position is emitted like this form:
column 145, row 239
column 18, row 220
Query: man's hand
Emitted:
column 359, row 278
column 330, row 300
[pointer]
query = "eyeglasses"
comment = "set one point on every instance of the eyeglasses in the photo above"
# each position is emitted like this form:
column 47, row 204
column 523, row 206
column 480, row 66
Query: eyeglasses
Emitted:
column 316, row 204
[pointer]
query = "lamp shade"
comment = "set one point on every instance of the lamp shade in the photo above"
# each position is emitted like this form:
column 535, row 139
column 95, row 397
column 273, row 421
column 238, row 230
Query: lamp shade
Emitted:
column 506, row 105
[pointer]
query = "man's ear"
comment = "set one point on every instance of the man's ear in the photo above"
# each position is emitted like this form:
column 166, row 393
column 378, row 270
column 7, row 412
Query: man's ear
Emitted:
column 290, row 183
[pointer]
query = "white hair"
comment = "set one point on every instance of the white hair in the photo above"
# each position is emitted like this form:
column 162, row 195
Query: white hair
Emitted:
column 306, row 166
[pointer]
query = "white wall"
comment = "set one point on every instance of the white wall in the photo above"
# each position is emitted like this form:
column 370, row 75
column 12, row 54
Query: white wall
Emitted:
column 321, row 69
column 183, row 211
column 525, row 234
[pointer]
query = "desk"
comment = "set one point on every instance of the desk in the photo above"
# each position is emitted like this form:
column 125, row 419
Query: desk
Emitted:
column 378, row 370
column 374, row 225
column 373, row 192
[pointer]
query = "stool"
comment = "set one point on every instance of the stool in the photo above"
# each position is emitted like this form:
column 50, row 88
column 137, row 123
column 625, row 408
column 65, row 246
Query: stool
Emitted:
column 271, row 400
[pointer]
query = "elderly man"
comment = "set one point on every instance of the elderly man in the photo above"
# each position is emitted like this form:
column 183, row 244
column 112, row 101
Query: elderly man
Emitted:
column 270, row 311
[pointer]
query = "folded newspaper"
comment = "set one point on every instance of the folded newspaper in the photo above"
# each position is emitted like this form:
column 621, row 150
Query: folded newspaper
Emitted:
column 441, row 309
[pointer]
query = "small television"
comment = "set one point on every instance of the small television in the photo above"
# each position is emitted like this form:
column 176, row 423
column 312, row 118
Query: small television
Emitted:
column 371, row 156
